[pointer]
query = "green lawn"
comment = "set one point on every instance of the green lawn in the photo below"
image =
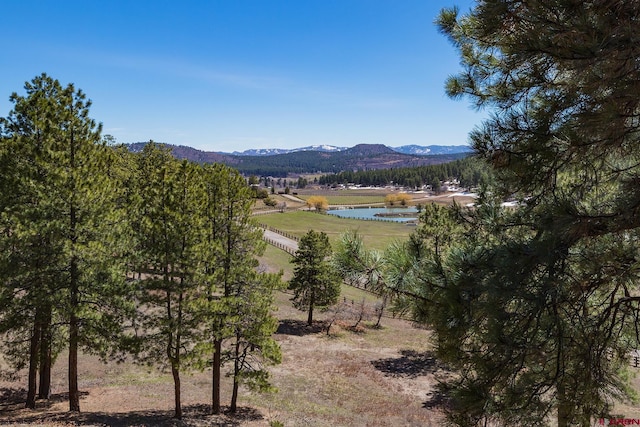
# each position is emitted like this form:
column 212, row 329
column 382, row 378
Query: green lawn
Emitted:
column 376, row 234
column 356, row 295
column 276, row 260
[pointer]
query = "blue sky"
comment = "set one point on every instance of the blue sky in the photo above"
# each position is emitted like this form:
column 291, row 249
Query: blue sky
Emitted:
column 238, row 74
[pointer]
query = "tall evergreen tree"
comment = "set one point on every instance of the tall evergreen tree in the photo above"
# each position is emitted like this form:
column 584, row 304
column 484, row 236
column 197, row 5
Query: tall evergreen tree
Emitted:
column 537, row 310
column 253, row 324
column 59, row 228
column 315, row 283
column 169, row 219
column 232, row 244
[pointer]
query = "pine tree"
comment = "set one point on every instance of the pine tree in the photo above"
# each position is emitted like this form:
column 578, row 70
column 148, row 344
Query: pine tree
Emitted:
column 29, row 246
column 253, row 324
column 315, row 282
column 232, row 244
column 169, row 221
column 59, row 230
column 536, row 309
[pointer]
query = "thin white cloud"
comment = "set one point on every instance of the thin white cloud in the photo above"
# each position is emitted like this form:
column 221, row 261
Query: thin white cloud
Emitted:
column 173, row 66
column 281, row 85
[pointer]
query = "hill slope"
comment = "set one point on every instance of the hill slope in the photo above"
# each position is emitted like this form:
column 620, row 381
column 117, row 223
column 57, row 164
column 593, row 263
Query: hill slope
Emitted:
column 360, row 157
column 420, row 150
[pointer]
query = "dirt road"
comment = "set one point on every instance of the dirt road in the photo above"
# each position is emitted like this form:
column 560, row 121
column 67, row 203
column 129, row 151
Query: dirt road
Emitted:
column 279, row 241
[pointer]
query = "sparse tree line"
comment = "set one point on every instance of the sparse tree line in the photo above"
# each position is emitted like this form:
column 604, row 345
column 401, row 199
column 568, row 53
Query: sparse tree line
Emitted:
column 261, row 185
column 120, row 255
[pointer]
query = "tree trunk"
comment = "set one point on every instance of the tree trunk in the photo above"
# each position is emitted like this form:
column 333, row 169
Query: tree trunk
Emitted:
column 360, row 314
column 33, row 365
column 217, row 362
column 234, row 397
column 74, row 325
column 381, row 311
column 236, row 373
column 175, row 371
column 44, row 391
column 74, row 322
column 74, row 393
column 311, row 303
column 310, row 317
column 175, row 360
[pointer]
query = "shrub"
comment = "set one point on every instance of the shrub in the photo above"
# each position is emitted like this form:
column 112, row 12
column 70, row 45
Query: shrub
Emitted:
column 320, row 203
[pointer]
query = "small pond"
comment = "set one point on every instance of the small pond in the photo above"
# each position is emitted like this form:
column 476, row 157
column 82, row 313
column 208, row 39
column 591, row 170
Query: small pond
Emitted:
column 386, row 214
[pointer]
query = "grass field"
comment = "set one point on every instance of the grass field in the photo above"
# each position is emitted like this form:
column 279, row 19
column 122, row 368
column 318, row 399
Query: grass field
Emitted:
column 360, row 196
column 275, row 260
column 338, row 199
column 375, row 377
column 366, row 196
column 376, row 234
column 350, row 378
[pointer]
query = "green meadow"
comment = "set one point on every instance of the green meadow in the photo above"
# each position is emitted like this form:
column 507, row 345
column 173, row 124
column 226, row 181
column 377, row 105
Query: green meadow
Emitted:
column 376, row 234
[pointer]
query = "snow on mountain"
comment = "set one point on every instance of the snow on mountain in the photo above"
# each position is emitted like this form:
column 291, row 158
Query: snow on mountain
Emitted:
column 261, row 152
column 325, row 148
column 418, row 150
column 431, row 149
column 274, row 151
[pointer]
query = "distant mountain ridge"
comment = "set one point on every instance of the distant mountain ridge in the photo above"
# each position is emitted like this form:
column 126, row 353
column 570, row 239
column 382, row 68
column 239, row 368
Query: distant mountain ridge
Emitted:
column 419, row 150
column 428, row 150
column 275, row 151
column 359, row 157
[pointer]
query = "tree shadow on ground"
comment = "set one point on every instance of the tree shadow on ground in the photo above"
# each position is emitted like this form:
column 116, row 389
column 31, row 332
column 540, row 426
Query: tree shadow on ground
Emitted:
column 299, row 328
column 193, row 416
column 437, row 399
column 14, row 399
column 10, row 397
column 411, row 364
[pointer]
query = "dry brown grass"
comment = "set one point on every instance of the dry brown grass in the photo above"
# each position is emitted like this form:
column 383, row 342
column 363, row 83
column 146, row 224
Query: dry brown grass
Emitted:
column 377, row 377
column 374, row 378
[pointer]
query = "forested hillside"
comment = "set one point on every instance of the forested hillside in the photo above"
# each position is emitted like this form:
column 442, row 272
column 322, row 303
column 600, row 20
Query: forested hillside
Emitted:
column 360, row 157
column 188, row 153
column 469, row 171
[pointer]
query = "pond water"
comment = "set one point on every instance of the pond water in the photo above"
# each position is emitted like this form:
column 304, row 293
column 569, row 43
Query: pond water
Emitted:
column 369, row 213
